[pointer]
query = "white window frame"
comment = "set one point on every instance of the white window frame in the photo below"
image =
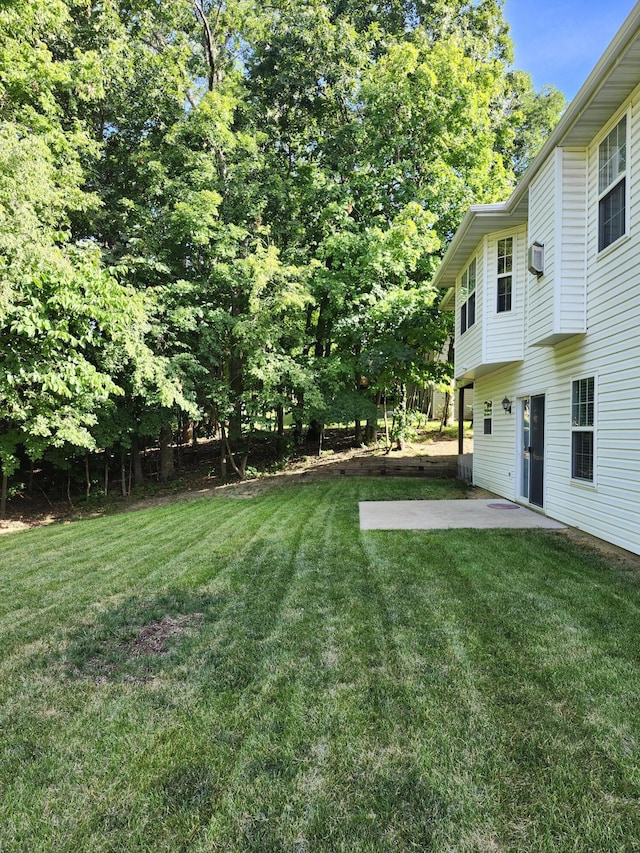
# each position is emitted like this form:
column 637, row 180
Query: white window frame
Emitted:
column 578, row 428
column 487, row 417
column 468, row 284
column 621, row 177
column 503, row 274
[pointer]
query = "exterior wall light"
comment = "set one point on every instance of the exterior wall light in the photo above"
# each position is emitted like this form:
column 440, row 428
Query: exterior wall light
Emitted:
column 506, row 405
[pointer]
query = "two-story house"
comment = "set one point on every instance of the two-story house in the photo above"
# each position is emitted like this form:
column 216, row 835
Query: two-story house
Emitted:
column 546, row 288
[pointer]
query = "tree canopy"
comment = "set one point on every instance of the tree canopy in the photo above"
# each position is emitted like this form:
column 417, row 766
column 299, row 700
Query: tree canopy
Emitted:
column 214, row 210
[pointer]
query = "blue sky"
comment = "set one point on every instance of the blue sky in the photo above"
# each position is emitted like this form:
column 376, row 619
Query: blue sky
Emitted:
column 560, row 41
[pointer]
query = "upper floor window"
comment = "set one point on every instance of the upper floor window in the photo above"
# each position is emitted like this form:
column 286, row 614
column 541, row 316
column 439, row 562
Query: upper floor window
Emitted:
column 612, row 180
column 505, row 274
column 468, row 297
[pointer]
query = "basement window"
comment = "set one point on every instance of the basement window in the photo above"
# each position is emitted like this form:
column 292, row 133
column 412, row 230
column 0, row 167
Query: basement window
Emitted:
column 582, row 428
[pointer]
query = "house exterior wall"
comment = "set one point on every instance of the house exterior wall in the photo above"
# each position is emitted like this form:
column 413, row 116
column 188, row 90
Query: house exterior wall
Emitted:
column 581, row 319
column 558, row 220
column 542, row 227
column 469, row 345
column 504, row 332
column 492, row 454
column 495, row 338
column 570, row 307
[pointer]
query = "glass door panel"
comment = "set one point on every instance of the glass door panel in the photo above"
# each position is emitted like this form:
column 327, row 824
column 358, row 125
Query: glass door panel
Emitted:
column 525, row 415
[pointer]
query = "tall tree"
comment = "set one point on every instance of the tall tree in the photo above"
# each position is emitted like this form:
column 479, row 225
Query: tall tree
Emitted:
column 217, row 208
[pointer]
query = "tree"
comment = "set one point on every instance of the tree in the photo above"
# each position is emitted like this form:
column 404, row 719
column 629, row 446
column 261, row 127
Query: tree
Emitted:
column 209, row 210
column 66, row 321
column 62, row 314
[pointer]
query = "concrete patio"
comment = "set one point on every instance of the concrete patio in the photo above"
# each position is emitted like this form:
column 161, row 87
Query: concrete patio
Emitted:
column 445, row 515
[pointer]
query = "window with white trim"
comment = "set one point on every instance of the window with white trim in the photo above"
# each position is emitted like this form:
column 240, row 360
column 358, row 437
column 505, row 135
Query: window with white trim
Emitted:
column 582, row 432
column 468, row 294
column 488, row 417
column 612, row 185
column 505, row 274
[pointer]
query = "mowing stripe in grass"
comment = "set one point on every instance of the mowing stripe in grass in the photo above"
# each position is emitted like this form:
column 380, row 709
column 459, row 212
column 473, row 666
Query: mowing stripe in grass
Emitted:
column 538, row 708
column 339, row 689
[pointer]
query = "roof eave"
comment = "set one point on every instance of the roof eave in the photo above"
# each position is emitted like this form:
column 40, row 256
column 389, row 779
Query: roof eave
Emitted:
column 484, row 219
column 479, row 220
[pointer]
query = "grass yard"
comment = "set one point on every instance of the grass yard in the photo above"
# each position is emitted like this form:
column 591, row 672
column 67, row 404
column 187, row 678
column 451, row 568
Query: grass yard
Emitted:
column 259, row 675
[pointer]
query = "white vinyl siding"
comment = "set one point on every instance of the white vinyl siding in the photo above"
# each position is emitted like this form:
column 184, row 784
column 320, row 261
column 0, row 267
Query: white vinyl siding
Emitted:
column 468, row 352
column 492, row 454
column 542, row 227
column 504, row 331
column 496, row 338
column 578, row 320
column 570, row 303
column 607, row 506
column 606, row 509
column 558, row 218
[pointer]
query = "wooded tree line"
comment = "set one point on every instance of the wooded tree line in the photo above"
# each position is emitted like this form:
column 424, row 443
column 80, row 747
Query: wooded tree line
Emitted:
column 212, row 210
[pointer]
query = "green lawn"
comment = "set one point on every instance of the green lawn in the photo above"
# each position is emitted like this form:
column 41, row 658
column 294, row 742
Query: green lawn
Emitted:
column 244, row 675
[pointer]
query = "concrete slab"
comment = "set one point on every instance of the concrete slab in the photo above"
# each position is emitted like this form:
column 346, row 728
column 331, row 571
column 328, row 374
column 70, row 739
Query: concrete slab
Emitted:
column 446, row 515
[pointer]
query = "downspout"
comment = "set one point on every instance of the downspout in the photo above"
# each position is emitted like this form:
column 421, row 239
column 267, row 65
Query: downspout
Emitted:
column 461, row 422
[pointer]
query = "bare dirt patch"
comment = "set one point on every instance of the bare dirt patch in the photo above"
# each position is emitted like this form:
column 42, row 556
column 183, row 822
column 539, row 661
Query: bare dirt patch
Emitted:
column 143, row 650
column 13, row 526
column 624, row 559
column 155, row 637
column 136, row 639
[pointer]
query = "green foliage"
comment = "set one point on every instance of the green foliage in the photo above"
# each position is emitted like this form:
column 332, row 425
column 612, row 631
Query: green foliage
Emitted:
column 224, row 209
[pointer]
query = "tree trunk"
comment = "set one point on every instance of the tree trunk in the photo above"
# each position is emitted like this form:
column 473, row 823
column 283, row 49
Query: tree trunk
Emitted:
column 298, row 423
column 3, row 495
column 69, row 486
column 136, row 462
column 315, row 433
column 371, row 432
column 123, row 472
column 387, row 441
column 187, row 431
column 402, row 418
column 322, row 327
column 223, row 456
column 358, row 432
column 211, row 50
column 280, row 430
column 167, row 469
column 445, row 411
column 87, row 475
column 232, row 459
column 447, row 396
